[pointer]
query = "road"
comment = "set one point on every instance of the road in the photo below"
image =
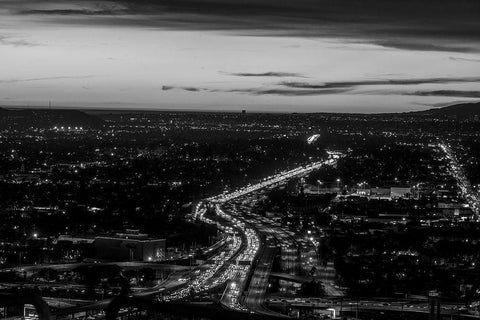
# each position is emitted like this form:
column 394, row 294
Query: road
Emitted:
column 244, row 265
column 271, row 180
column 233, row 263
column 253, row 228
column 259, row 282
column 123, row 264
column 276, row 239
column 463, row 183
column 412, row 305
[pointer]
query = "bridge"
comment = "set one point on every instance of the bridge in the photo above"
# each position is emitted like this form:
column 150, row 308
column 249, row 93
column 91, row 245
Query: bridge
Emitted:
column 290, row 277
column 125, row 306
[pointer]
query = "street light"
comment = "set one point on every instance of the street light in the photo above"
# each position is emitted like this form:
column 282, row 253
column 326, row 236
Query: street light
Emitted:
column 319, row 183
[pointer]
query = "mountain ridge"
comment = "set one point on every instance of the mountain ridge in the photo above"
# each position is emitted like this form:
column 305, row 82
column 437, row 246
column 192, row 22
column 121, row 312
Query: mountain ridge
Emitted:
column 460, row 110
column 47, row 118
column 92, row 117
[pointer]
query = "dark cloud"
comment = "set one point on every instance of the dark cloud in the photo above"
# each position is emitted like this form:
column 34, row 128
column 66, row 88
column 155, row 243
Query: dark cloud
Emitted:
column 446, row 93
column 67, row 12
column 68, row 8
column 353, row 84
column 289, row 92
column 286, row 88
column 427, row 25
column 267, row 74
column 191, row 89
column 464, row 59
column 422, row 45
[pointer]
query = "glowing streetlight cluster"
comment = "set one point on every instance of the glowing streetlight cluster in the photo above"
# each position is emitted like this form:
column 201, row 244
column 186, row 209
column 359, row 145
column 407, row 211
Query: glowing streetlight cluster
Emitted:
column 234, row 264
column 277, row 178
column 463, row 183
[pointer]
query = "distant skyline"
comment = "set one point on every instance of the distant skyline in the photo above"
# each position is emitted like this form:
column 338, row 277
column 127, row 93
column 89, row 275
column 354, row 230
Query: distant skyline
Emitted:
column 262, row 55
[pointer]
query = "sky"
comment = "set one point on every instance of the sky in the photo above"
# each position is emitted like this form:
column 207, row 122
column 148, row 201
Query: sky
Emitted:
column 258, row 55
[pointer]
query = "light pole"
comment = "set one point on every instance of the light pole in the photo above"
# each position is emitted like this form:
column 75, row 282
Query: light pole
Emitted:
column 319, row 184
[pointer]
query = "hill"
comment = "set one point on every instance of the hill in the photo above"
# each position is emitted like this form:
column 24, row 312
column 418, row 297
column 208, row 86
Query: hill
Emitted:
column 458, row 111
column 45, row 118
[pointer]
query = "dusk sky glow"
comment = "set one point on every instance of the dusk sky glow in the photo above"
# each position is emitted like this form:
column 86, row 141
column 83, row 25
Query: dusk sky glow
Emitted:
column 311, row 56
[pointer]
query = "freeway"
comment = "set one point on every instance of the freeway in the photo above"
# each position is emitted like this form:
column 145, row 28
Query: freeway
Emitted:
column 271, row 180
column 274, row 237
column 378, row 304
column 233, row 264
column 259, row 282
column 243, row 266
column 463, row 183
column 251, row 229
column 327, row 277
column 214, row 275
column 123, row 264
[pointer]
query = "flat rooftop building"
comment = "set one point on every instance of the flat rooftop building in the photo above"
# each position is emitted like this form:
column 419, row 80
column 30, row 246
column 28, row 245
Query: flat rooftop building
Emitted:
column 131, row 246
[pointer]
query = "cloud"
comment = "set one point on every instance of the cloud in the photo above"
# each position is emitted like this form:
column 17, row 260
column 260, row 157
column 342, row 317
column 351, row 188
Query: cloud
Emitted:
column 67, row 12
column 68, row 8
column 267, row 74
column 287, row 88
column 289, row 92
column 191, row 89
column 464, row 59
column 446, row 93
column 5, row 40
column 426, row 25
column 353, row 84
column 44, row 79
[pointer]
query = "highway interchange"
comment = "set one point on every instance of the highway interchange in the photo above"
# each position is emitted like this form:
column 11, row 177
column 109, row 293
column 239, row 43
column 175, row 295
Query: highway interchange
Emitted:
column 244, row 293
column 243, row 266
column 253, row 244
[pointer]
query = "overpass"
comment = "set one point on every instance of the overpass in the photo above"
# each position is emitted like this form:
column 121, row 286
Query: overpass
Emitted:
column 290, row 277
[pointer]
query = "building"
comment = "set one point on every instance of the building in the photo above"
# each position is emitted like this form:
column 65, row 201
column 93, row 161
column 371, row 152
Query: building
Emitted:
column 452, row 210
column 400, row 192
column 76, row 239
column 380, row 193
column 131, row 246
column 385, row 193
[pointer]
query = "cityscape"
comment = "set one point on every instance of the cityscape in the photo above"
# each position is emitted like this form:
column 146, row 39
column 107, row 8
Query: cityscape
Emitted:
column 239, row 159
column 244, row 215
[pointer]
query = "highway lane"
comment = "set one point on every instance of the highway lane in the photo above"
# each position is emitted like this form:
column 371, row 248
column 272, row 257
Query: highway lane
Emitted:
column 274, row 236
column 225, row 266
column 231, row 296
column 412, row 305
column 463, row 183
column 271, row 180
column 259, row 282
column 29, row 269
